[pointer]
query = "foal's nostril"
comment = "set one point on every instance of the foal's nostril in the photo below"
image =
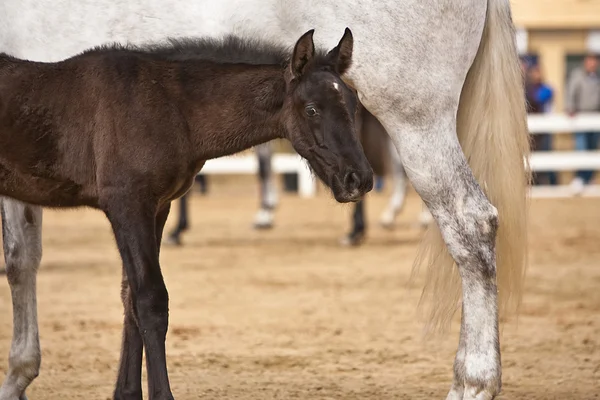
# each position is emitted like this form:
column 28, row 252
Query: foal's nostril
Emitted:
column 351, row 181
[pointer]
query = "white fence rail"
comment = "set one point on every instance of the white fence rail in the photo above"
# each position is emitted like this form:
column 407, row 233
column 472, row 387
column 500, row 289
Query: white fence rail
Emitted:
column 540, row 161
column 560, row 123
column 564, row 160
column 281, row 163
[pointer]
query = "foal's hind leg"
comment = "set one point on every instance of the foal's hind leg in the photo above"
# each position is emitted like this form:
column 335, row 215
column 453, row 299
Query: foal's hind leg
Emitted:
column 129, row 380
column 268, row 193
column 22, row 235
column 436, row 165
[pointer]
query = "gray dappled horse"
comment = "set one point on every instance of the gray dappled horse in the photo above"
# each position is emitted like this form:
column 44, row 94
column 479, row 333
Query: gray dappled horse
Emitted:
column 442, row 76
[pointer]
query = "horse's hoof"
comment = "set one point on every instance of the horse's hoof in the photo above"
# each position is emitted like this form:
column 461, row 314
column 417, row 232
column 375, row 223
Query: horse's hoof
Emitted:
column 483, row 387
column 263, row 219
column 387, row 220
column 262, row 226
column 478, row 393
column 385, row 224
column 172, row 241
column 456, row 392
column 353, row 239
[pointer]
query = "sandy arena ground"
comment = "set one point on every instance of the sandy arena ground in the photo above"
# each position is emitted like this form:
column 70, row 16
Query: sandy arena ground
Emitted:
column 289, row 314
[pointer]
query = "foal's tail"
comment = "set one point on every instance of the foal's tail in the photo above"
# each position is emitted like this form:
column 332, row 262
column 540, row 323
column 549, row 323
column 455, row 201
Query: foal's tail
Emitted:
column 492, row 130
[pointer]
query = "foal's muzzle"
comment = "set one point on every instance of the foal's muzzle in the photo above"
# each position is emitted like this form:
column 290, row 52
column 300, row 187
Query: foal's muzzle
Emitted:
column 353, row 185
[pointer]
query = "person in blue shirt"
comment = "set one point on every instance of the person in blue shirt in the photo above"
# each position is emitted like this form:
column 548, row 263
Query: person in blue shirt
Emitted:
column 539, row 99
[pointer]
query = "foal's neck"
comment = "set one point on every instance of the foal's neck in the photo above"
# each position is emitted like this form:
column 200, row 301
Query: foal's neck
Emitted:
column 245, row 108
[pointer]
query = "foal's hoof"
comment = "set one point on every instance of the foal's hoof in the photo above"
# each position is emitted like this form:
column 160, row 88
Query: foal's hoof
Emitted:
column 353, row 239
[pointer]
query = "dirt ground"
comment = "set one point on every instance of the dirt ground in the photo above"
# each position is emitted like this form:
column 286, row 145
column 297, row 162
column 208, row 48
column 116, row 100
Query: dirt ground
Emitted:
column 289, row 314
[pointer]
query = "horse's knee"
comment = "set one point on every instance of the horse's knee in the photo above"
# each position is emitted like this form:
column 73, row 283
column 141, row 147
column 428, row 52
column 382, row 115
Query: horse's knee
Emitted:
column 12, row 252
column 469, row 230
column 482, row 220
column 21, row 262
column 22, row 240
column 24, row 363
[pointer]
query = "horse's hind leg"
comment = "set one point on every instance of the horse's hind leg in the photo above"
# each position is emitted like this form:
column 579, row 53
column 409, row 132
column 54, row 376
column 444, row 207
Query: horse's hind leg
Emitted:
column 357, row 235
column 268, row 194
column 174, row 237
column 398, row 198
column 437, row 168
column 22, row 235
column 399, row 192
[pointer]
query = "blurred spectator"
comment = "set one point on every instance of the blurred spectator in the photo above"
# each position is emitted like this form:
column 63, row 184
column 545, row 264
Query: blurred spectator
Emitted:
column 524, row 67
column 379, row 182
column 583, row 95
column 539, row 98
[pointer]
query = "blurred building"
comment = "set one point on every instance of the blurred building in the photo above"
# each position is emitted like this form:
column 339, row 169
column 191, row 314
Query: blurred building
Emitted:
column 556, row 34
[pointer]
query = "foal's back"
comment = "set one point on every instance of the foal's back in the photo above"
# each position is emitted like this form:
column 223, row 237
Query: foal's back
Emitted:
column 64, row 124
column 67, row 127
column 43, row 124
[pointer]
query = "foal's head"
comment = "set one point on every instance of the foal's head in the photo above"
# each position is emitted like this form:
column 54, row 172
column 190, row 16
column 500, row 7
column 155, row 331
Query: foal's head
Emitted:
column 319, row 117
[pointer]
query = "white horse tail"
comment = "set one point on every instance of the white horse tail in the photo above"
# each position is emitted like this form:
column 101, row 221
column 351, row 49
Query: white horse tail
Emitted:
column 492, row 130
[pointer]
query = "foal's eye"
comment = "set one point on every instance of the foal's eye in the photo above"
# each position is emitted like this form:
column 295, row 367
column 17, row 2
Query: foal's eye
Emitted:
column 311, row 111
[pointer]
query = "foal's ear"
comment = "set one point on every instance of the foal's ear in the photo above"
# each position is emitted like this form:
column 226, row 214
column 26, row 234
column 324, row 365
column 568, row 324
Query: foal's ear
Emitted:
column 341, row 55
column 304, row 51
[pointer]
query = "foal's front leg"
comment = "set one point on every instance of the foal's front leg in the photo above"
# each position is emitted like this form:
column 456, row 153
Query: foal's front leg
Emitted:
column 129, row 380
column 136, row 229
column 22, row 236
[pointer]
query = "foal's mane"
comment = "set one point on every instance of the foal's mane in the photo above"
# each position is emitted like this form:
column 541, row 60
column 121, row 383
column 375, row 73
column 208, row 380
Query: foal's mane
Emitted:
column 230, row 49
